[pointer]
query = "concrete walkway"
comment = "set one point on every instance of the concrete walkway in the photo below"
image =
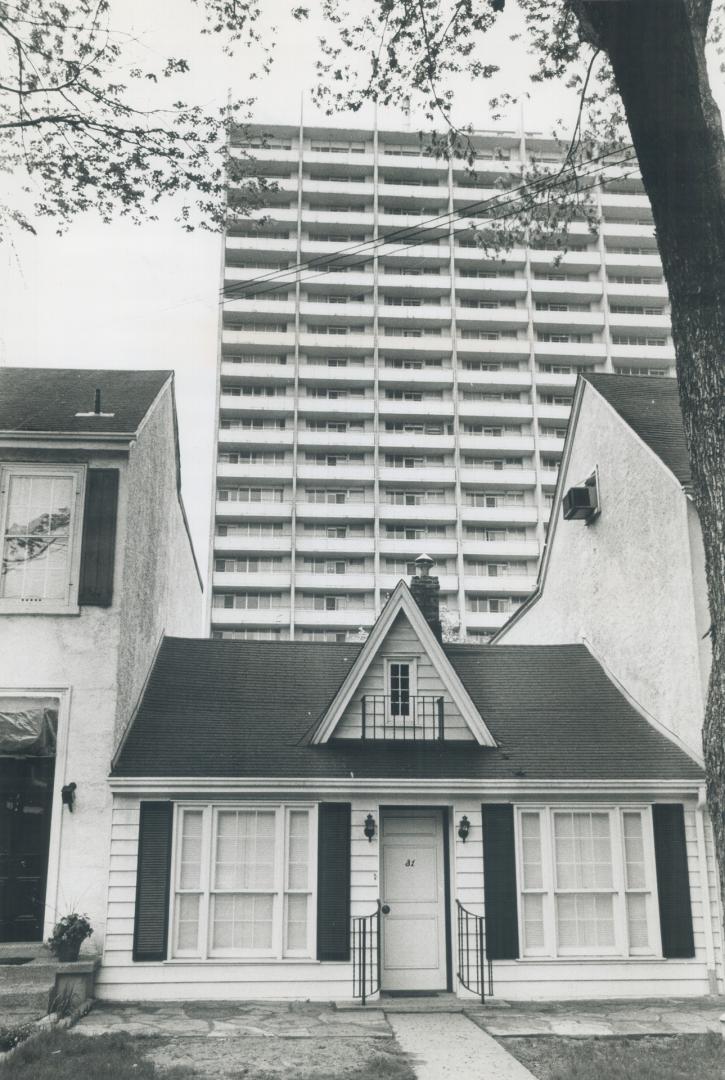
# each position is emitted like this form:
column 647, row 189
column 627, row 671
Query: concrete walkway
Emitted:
column 447, row 1046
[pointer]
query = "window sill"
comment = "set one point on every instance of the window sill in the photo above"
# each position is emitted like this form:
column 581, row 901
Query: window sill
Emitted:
column 245, row 961
column 606, row 959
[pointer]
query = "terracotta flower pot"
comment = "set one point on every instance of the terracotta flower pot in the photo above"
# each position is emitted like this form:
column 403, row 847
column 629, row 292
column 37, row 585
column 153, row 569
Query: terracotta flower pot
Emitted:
column 67, row 951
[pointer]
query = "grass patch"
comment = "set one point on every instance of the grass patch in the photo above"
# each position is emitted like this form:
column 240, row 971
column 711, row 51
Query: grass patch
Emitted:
column 57, row 1055
column 676, row 1057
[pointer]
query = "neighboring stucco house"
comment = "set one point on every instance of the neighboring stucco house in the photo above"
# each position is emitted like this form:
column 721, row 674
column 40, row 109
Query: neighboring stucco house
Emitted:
column 327, row 820
column 628, row 579
column 97, row 565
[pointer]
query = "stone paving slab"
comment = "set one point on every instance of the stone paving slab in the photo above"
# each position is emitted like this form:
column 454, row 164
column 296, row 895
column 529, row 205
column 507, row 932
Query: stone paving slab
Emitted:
column 449, row 1047
column 603, row 1019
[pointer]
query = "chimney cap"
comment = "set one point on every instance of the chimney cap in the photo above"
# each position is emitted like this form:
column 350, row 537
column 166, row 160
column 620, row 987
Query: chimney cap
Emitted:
column 424, row 564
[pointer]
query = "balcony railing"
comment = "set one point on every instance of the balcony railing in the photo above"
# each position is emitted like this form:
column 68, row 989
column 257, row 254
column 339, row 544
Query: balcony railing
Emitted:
column 366, row 954
column 404, row 717
column 475, row 970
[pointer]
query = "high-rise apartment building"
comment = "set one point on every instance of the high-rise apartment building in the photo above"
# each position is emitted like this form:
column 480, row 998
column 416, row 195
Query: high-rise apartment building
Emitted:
column 402, row 391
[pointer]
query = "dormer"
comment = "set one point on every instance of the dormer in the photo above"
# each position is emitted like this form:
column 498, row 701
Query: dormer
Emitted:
column 402, row 688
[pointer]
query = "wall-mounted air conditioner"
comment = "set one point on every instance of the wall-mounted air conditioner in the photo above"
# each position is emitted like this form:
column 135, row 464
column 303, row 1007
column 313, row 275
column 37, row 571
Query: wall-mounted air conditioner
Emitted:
column 582, row 502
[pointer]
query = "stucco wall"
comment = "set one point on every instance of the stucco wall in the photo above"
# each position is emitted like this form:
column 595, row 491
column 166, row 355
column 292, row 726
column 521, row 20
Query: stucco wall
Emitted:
column 625, row 582
column 160, row 588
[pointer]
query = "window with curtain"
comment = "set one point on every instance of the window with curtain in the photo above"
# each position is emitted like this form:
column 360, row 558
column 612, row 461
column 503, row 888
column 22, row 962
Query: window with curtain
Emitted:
column 243, row 882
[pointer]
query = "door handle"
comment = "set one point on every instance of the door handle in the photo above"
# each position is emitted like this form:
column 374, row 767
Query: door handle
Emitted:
column 385, row 909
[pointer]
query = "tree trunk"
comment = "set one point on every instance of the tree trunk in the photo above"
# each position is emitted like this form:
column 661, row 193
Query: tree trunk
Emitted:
column 657, row 52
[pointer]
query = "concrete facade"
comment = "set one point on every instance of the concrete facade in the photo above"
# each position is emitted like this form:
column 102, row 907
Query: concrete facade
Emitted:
column 96, row 659
column 631, row 583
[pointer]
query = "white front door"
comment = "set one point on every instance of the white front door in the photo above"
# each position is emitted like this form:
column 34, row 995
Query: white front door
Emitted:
column 413, row 888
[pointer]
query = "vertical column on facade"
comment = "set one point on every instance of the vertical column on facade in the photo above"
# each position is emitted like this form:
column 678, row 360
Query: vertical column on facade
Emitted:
column 296, row 394
column 603, row 276
column 534, row 394
column 458, row 494
column 377, row 592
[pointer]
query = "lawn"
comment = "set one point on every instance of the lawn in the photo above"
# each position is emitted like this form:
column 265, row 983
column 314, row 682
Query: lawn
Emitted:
column 60, row 1055
column 676, row 1057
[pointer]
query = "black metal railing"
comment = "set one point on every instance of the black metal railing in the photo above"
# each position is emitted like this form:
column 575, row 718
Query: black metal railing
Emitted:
column 366, row 954
column 412, row 718
column 475, row 970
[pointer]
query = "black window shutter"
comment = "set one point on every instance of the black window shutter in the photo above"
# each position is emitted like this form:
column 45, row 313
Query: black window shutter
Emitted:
column 499, row 882
column 99, row 538
column 151, row 924
column 333, row 881
column 673, row 880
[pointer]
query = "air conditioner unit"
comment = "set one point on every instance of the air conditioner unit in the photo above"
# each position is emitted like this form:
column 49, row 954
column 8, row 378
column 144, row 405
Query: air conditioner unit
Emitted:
column 580, row 502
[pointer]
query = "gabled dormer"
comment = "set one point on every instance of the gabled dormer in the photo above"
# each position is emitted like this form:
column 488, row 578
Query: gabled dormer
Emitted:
column 402, row 687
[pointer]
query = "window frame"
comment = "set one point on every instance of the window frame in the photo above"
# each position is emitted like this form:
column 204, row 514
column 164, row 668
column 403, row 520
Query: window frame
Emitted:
column 70, row 605
column 412, row 661
column 204, row 952
column 622, row 949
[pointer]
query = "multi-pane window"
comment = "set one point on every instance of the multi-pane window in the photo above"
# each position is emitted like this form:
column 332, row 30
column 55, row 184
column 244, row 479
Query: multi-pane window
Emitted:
column 494, row 431
column 338, row 458
column 494, row 604
column 399, row 684
column 586, row 878
column 243, row 881
column 245, row 494
column 406, row 461
column 39, row 522
column 253, row 528
column 251, row 564
column 414, row 498
column 253, row 457
column 641, row 371
column 332, row 566
column 330, row 495
column 492, row 499
column 414, row 532
column 637, row 339
column 475, row 532
column 247, row 601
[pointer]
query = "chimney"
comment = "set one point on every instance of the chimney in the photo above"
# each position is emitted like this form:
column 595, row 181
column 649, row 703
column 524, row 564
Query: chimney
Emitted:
column 426, row 592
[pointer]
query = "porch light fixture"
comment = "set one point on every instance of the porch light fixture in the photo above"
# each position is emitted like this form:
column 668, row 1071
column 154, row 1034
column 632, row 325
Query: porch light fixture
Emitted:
column 369, row 827
column 464, row 827
column 68, row 795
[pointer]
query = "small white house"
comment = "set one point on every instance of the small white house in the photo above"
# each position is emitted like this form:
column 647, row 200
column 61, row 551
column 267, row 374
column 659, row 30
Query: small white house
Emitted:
column 625, row 575
column 96, row 566
column 333, row 821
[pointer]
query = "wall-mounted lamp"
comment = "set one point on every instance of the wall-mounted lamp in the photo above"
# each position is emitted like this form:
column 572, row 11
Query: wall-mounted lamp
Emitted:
column 369, row 827
column 464, row 827
column 68, row 795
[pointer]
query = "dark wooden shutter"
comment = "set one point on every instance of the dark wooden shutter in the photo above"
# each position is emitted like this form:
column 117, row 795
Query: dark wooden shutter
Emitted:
column 333, row 882
column 673, row 880
column 151, row 924
column 499, row 882
column 99, row 538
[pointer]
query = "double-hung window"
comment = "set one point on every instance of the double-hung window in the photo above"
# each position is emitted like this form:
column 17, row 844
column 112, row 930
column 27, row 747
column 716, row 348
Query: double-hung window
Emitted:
column 401, row 686
column 243, row 879
column 587, row 882
column 40, row 519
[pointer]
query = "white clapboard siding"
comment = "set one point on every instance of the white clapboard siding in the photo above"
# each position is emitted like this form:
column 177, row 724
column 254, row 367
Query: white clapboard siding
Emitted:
column 401, row 640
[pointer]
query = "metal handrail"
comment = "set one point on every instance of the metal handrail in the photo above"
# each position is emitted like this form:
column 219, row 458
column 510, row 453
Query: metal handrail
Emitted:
column 366, row 954
column 413, row 717
column 474, row 967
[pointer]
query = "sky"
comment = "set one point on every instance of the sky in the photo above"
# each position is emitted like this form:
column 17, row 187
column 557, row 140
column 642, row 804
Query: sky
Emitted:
column 147, row 296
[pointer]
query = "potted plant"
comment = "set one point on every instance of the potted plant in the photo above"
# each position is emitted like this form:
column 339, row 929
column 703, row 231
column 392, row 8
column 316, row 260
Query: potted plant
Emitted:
column 68, row 935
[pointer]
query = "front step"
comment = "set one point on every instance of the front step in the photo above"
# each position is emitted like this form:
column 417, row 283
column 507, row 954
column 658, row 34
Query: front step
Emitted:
column 26, row 988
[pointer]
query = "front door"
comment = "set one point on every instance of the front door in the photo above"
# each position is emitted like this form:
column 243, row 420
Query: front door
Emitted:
column 26, row 788
column 413, row 889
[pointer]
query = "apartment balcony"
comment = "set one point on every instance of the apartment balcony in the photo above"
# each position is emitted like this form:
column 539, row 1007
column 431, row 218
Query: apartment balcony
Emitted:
column 245, row 511
column 397, row 188
column 480, row 476
column 494, row 410
column 422, row 315
column 506, row 584
column 240, row 275
column 494, row 287
column 656, row 354
column 568, row 320
column 257, row 372
column 420, row 514
column 618, row 230
column 500, row 380
column 547, row 380
column 243, row 545
column 348, row 582
column 276, row 214
column 561, row 291
column 503, row 348
column 254, row 339
column 277, row 404
column 646, row 265
column 343, row 219
column 334, row 408
column 414, row 285
column 254, row 471
column 637, row 205
column 353, row 315
column 223, row 580
column 341, row 617
column 505, row 549
column 473, row 258
column 312, row 247
column 393, row 440
column 498, row 515
column 269, row 154
column 417, row 163
column 550, row 444
column 419, row 409
column 317, row 157
column 486, row 620
column 435, row 345
column 334, row 545
column 424, row 254
column 261, row 243
column 656, row 325
column 554, row 412
column 322, row 375
column 226, row 618
column 492, row 318
column 336, row 474
column 549, row 478
column 577, row 261
column 505, row 444
column 576, row 351
column 621, row 293
column 448, row 582
column 432, row 545
column 336, row 512
column 418, row 377
column 359, row 188
column 390, row 219
column 265, row 305
column 420, row 474
column 360, row 344
column 328, row 440
column 252, row 437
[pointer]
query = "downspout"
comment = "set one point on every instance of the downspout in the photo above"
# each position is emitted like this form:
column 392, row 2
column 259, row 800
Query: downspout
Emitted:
column 705, row 890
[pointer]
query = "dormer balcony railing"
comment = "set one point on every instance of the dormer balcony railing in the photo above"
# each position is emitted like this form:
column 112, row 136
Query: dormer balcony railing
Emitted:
column 403, row 717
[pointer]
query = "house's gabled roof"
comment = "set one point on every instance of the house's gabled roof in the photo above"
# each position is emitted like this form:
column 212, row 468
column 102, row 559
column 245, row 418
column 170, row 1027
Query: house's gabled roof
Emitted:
column 651, row 407
column 244, row 709
column 401, row 601
column 48, row 400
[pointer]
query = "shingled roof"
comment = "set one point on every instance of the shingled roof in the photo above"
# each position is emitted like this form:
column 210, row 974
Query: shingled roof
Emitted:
column 244, row 708
column 44, row 400
column 651, row 407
